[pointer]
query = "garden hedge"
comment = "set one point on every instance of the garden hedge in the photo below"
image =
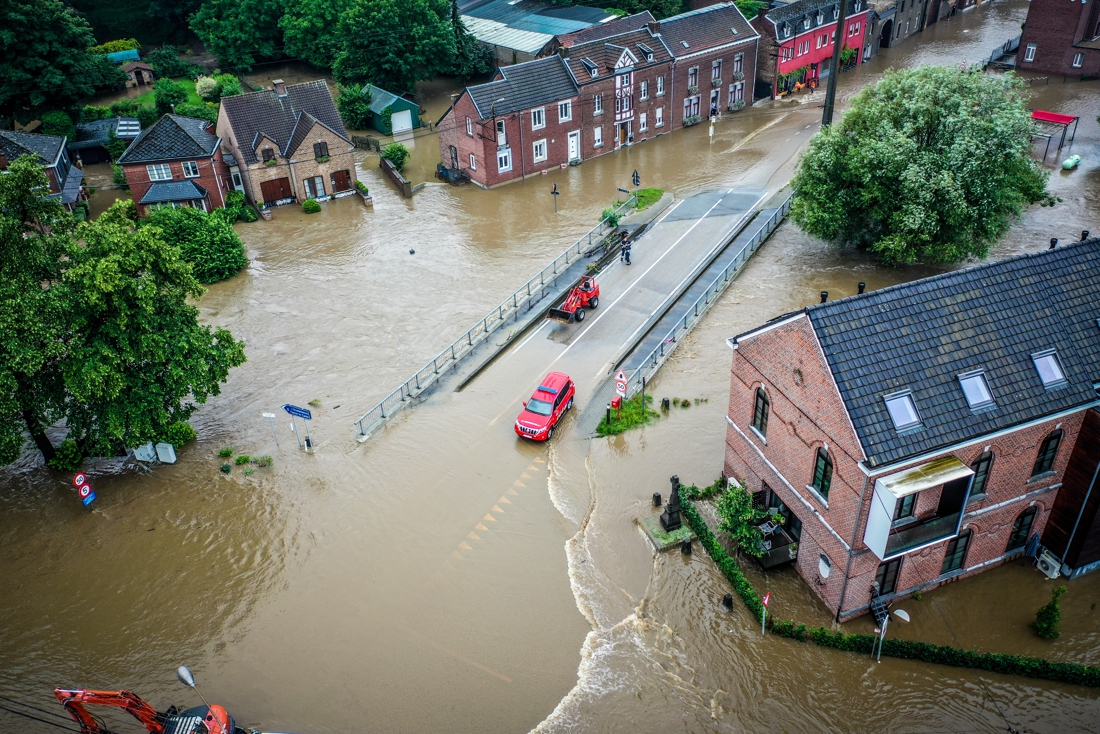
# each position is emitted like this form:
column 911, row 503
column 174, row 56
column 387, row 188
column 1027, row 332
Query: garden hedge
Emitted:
column 1075, row 673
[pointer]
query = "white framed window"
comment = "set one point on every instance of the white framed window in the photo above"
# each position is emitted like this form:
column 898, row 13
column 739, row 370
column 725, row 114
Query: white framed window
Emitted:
column 1049, row 368
column 976, row 389
column 643, row 125
column 659, row 117
column 159, row 172
column 597, row 136
column 903, row 412
column 539, row 149
column 693, row 76
column 737, row 92
column 787, row 53
column 190, row 169
column 660, row 86
column 504, row 160
column 716, row 69
column 565, row 111
column 1078, row 60
column 538, row 118
column 739, row 63
column 1029, row 52
column 502, row 134
column 469, row 127
column 597, row 104
column 473, row 162
column 803, row 47
column 645, row 89
column 819, row 42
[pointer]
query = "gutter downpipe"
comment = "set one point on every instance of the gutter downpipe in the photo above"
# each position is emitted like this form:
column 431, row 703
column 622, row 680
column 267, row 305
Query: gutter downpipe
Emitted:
column 519, row 121
column 1080, row 513
column 852, row 549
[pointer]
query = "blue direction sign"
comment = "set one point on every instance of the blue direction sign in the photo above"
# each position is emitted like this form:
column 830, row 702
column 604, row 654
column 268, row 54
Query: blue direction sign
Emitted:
column 300, row 412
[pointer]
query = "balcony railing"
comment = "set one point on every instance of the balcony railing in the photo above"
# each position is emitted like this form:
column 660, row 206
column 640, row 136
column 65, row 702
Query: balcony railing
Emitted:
column 921, row 533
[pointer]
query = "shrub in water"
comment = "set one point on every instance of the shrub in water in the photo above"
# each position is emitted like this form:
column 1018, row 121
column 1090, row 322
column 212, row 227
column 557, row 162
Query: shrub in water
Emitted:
column 207, row 241
column 263, row 461
column 1049, row 616
column 226, row 452
column 243, row 459
column 397, row 154
column 178, row 434
column 310, row 206
column 226, row 468
column 68, row 456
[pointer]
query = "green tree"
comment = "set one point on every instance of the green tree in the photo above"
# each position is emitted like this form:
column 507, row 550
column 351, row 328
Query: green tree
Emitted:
column 115, row 145
column 172, row 17
column 928, row 166
column 311, row 30
column 203, row 111
column 166, row 62
column 167, row 94
column 397, row 154
column 228, row 85
column 56, row 122
column 44, row 58
column 353, row 101
column 1049, row 616
column 239, row 32
column 738, row 518
column 471, row 57
column 417, row 42
column 207, row 241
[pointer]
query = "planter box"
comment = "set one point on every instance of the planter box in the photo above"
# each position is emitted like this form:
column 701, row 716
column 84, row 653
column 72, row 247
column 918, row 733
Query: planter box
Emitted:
column 368, row 200
column 266, row 214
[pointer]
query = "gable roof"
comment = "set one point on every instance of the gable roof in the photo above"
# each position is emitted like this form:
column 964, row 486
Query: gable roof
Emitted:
column 526, row 25
column 98, row 132
column 603, row 53
column 131, row 65
column 921, row 336
column 611, row 28
column 266, row 113
column 793, row 12
column 17, row 144
column 707, row 28
column 380, row 99
column 172, row 137
column 523, row 86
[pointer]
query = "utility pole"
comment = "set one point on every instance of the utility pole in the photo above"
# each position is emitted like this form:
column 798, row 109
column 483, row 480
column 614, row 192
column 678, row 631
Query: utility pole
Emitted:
column 838, row 46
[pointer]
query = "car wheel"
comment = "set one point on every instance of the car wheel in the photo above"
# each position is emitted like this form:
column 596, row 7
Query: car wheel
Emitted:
column 579, row 314
column 595, row 301
column 569, row 405
column 550, row 433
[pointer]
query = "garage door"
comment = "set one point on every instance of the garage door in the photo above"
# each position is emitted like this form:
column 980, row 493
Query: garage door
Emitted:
column 401, row 121
column 275, row 190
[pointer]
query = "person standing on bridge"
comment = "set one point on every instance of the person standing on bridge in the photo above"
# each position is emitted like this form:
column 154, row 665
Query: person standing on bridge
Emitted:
column 625, row 254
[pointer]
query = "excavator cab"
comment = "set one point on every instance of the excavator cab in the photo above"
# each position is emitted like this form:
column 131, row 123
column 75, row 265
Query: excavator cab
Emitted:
column 200, row 720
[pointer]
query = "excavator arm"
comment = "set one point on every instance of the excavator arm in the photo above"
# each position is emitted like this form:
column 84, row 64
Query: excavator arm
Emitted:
column 75, row 701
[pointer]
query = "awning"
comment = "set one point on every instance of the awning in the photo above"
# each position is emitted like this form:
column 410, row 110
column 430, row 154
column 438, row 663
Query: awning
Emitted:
column 925, row 476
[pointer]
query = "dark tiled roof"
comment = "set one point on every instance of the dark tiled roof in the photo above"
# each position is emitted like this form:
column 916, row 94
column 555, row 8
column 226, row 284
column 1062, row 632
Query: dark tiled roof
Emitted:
column 97, row 132
column 921, row 336
column 708, row 27
column 605, row 53
column 794, row 12
column 523, row 86
column 16, row 144
column 130, row 66
column 172, row 137
column 266, row 113
column 608, row 29
column 71, row 191
column 166, row 191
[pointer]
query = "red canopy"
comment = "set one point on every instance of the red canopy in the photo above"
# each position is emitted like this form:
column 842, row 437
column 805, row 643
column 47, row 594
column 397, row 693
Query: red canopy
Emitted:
column 1052, row 117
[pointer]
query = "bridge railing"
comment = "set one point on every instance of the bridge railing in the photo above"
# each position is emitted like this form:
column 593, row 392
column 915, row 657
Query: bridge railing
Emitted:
column 522, row 300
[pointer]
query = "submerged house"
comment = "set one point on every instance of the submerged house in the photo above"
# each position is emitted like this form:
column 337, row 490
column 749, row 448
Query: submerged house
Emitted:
column 92, row 137
column 51, row 152
column 391, row 114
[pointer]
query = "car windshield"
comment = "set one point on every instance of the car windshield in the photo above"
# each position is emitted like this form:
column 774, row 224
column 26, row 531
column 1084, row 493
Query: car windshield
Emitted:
column 539, row 407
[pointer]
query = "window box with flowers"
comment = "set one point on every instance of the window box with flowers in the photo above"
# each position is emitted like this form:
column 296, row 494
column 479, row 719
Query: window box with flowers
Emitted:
column 694, row 89
column 321, row 159
column 716, row 82
column 736, row 105
column 693, row 120
column 271, row 162
column 738, row 76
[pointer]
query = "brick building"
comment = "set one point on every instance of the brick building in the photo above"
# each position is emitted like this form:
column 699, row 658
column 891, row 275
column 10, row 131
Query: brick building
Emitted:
column 922, row 433
column 1060, row 37
column 288, row 143
column 177, row 161
column 797, row 40
column 50, row 152
column 602, row 90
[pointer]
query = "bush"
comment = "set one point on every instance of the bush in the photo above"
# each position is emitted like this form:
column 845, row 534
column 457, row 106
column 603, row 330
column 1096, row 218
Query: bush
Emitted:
column 207, row 88
column 167, row 94
column 264, row 461
column 56, row 122
column 68, row 456
column 166, row 62
column 234, row 199
column 611, row 217
column 123, row 108
column 207, row 241
column 228, row 85
column 90, row 113
column 111, row 47
column 204, row 111
column 226, row 452
column 115, row 145
column 310, row 206
column 397, row 154
column 248, row 214
column 1049, row 616
column 354, row 105
column 118, row 175
column 362, row 187
column 147, row 116
column 242, row 459
column 631, row 415
column 178, row 434
column 226, row 468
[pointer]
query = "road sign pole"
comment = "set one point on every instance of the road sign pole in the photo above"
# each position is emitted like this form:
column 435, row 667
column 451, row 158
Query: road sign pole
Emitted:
column 309, row 438
column 271, row 419
column 763, row 616
column 294, row 425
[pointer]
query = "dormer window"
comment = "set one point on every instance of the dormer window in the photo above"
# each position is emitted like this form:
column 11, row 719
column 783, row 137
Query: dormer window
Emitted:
column 786, row 31
column 836, row 12
column 268, row 154
column 858, row 6
column 903, row 412
column 593, row 70
column 820, row 17
column 1049, row 368
column 976, row 389
column 806, row 24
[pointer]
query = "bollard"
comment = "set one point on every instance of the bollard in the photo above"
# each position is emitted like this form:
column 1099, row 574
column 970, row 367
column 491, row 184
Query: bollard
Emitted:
column 1053, row 242
column 656, row 499
column 609, row 414
column 727, row 601
column 685, row 547
column 824, row 296
column 664, row 404
column 862, row 287
column 1084, row 235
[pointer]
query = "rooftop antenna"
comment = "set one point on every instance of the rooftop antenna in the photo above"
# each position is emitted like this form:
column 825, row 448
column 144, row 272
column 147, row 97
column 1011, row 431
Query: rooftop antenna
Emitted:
column 184, row 674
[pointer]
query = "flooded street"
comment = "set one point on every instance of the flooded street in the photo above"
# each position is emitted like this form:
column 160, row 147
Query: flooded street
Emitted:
column 444, row 576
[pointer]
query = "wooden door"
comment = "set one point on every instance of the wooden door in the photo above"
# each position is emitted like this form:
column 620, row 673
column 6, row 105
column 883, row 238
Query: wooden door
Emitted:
column 341, row 181
column 274, row 190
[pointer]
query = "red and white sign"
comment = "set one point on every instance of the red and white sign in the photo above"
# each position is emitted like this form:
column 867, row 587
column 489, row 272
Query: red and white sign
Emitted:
column 767, row 598
column 84, row 490
column 620, row 384
column 79, row 480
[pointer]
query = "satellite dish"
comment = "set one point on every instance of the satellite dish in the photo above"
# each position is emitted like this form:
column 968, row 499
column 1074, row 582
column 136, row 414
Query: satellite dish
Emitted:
column 902, row 615
column 823, row 566
column 184, row 674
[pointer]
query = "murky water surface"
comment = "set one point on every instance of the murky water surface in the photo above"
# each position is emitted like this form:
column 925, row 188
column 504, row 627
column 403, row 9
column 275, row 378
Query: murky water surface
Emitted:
column 445, row 577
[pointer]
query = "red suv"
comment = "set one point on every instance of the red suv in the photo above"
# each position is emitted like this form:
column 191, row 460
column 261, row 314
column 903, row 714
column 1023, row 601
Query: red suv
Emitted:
column 546, row 407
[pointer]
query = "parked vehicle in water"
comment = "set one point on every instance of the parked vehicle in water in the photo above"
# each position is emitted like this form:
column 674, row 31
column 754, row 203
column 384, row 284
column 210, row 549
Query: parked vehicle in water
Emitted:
column 552, row 399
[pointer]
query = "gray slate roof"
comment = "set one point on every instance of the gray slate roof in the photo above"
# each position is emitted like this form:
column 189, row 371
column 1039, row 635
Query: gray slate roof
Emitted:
column 920, row 336
column 794, row 12
column 266, row 113
column 605, row 52
column 16, row 144
column 709, row 27
column 170, row 138
column 97, row 132
column 606, row 30
column 166, row 191
column 523, row 86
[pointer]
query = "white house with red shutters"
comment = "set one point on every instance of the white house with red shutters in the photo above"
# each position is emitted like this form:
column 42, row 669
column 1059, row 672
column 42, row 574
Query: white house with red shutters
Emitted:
column 797, row 39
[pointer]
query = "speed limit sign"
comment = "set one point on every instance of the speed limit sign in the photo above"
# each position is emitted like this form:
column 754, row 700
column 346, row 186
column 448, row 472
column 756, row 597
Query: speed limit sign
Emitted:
column 79, row 480
column 85, row 490
column 620, row 384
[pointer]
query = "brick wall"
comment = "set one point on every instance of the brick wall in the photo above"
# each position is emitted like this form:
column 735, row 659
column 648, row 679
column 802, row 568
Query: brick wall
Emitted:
column 213, row 176
column 304, row 163
column 1053, row 26
column 704, row 64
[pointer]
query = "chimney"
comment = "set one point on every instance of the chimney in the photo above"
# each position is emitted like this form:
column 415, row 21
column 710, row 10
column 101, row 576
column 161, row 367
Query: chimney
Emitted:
column 1084, row 235
column 1053, row 242
column 654, row 27
column 824, row 296
column 279, row 86
column 862, row 287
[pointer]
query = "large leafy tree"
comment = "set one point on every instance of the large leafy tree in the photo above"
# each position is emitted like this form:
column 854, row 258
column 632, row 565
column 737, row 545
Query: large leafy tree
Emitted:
column 239, row 32
column 928, row 166
column 207, row 241
column 471, row 57
column 311, row 30
column 44, row 58
column 739, row 519
column 395, row 43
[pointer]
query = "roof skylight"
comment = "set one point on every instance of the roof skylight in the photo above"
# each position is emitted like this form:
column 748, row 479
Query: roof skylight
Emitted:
column 1049, row 368
column 976, row 389
column 902, row 410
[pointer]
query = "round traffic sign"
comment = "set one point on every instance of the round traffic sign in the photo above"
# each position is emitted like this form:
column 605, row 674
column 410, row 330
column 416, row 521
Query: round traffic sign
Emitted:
column 620, row 387
column 85, row 490
column 79, row 479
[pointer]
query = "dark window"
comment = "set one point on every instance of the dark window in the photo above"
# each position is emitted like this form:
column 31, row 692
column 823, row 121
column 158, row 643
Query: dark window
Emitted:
column 561, row 395
column 320, row 150
column 1021, row 529
column 887, row 576
column 760, row 413
column 269, row 155
column 981, row 469
column 903, row 508
column 955, row 557
column 823, row 473
column 1048, row 451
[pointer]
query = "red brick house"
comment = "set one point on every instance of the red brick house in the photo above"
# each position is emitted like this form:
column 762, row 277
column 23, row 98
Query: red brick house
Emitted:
column 922, row 433
column 798, row 39
column 177, row 161
column 66, row 179
column 1060, row 37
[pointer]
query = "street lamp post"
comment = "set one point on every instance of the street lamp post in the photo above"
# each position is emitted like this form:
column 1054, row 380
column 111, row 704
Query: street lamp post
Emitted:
column 838, row 46
column 899, row 613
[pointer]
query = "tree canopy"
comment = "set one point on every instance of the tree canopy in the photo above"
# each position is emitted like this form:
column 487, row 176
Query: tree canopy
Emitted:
column 928, row 166
column 354, row 105
column 311, row 30
column 239, row 32
column 207, row 241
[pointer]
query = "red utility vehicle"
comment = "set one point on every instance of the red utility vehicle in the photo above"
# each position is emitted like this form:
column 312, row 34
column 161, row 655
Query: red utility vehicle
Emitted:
column 585, row 294
column 546, row 407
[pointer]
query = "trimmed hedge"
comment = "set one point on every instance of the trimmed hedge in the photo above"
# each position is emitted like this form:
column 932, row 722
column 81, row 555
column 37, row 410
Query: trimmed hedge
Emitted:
column 1075, row 673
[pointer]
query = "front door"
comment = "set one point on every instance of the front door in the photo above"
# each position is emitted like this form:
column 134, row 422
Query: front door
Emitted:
column 575, row 145
column 275, row 190
column 341, row 181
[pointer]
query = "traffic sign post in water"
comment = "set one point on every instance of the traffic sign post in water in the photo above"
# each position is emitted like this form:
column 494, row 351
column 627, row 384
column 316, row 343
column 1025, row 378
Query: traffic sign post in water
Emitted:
column 83, row 489
column 296, row 412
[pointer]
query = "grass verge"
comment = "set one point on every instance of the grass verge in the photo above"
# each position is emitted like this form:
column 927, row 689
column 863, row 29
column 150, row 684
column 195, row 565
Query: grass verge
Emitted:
column 630, row 416
column 649, row 197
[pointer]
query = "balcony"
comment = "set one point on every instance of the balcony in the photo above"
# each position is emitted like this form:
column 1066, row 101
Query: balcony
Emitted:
column 779, row 546
column 919, row 534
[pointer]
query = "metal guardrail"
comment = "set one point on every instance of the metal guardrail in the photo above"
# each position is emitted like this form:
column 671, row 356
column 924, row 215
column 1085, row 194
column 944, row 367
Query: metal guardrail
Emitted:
column 697, row 310
column 523, row 299
column 1008, row 47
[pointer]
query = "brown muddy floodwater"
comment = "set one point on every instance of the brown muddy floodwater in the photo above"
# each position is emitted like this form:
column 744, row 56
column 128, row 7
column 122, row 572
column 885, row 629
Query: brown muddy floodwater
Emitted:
column 443, row 576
